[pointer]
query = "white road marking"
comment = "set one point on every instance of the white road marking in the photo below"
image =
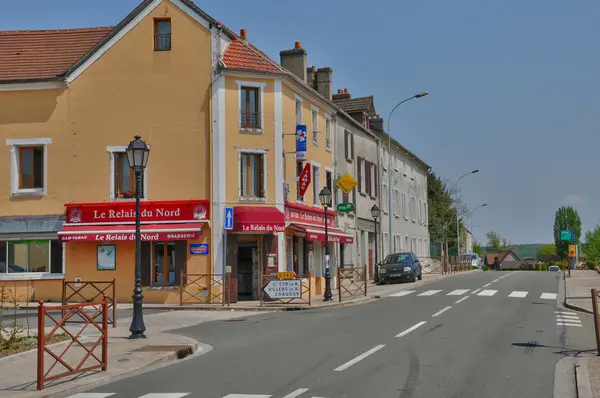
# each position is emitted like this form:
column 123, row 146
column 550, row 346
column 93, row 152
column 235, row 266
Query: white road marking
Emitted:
column 92, row 395
column 410, row 329
column 429, row 293
column 495, row 280
column 457, row 292
column 358, row 358
column 518, row 294
column 487, row 292
column 183, row 394
column 296, row 393
column 475, row 291
column 565, row 312
column 569, row 324
column 440, row 312
column 461, row 300
column 567, row 317
column 247, row 396
column 400, row 294
column 548, row 296
column 486, row 285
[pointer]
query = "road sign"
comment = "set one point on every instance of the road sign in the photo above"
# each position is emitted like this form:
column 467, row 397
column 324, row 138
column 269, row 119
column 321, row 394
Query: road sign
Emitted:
column 572, row 250
column 304, row 180
column 345, row 207
column 346, row 183
column 565, row 234
column 301, row 142
column 286, row 275
column 283, row 289
column 228, row 218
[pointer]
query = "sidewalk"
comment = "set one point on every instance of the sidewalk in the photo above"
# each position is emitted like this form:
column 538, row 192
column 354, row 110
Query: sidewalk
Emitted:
column 578, row 286
column 124, row 356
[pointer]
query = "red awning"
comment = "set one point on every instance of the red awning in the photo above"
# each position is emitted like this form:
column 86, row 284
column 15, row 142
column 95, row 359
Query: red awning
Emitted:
column 258, row 219
column 318, row 234
column 150, row 232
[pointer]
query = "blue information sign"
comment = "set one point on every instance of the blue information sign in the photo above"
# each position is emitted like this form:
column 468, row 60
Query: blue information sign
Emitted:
column 228, row 225
column 300, row 142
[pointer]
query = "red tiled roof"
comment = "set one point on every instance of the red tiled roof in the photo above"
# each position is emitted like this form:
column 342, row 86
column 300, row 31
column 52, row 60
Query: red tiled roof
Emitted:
column 39, row 54
column 240, row 55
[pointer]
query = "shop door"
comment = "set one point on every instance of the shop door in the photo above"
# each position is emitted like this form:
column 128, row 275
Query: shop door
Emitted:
column 371, row 262
column 248, row 265
column 232, row 260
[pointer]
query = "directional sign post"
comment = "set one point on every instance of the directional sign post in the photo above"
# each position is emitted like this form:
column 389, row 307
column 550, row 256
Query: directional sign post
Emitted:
column 565, row 235
column 283, row 289
column 228, row 225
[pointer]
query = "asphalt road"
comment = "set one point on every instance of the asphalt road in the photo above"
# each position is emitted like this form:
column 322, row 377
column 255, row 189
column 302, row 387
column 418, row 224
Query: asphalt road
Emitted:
column 489, row 339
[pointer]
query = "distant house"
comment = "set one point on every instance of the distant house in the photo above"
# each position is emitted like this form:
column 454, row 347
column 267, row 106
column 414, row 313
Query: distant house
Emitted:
column 508, row 259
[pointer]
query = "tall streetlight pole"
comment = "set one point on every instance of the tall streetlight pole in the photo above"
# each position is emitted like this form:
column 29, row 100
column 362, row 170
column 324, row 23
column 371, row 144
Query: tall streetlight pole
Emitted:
column 473, row 211
column 137, row 156
column 457, row 222
column 390, row 188
column 325, row 197
column 375, row 215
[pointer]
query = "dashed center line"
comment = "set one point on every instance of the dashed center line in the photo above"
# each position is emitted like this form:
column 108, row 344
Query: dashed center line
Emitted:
column 461, row 300
column 440, row 312
column 358, row 358
column 486, row 285
column 410, row 329
column 475, row 291
column 495, row 280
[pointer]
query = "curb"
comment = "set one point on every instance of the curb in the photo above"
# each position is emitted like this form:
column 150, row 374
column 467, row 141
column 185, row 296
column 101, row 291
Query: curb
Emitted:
column 582, row 378
column 576, row 308
column 564, row 379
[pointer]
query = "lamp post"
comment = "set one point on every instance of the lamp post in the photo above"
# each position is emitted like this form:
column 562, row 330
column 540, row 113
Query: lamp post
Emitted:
column 457, row 222
column 375, row 215
column 389, row 133
column 325, row 197
column 137, row 156
column 473, row 211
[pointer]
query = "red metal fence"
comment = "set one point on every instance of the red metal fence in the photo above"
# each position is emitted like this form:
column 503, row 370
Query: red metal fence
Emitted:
column 88, row 292
column 100, row 308
column 596, row 318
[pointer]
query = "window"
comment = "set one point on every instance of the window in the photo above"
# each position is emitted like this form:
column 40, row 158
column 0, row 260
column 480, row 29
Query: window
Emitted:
column 122, row 177
column 386, row 243
column 406, row 243
column 385, row 199
column 397, row 243
column 420, row 213
column 425, row 215
column 373, row 180
column 31, row 256
column 329, row 180
column 404, row 206
column 299, row 168
column 316, row 183
column 385, row 159
column 414, row 245
column 163, row 269
column 328, row 134
column 349, row 145
column 397, row 207
column 362, row 183
column 162, row 34
column 413, row 208
column 250, row 110
column 252, row 167
column 315, row 125
column 29, row 166
column 298, row 110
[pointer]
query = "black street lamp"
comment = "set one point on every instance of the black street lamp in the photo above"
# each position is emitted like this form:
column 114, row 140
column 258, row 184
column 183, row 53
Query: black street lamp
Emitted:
column 325, row 197
column 375, row 214
column 137, row 156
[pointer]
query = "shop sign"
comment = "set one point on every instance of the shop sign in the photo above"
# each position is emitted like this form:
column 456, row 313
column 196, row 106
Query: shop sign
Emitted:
column 345, row 207
column 260, row 228
column 123, row 212
column 199, row 248
column 300, row 142
column 330, row 238
column 346, row 183
column 308, row 217
column 120, row 237
column 304, row 180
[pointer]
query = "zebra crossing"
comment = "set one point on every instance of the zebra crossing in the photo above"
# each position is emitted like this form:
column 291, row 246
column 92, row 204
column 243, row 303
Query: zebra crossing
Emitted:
column 299, row 393
column 476, row 292
column 567, row 318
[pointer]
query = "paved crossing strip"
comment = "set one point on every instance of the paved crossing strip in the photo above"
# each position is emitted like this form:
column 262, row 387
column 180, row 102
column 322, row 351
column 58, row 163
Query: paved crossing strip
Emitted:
column 458, row 292
column 517, row 293
column 403, row 293
column 566, row 318
column 477, row 292
column 294, row 394
column 548, row 296
column 429, row 293
column 487, row 292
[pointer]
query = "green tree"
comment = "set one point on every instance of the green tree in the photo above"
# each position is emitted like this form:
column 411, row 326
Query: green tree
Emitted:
column 566, row 218
column 546, row 253
column 591, row 246
column 442, row 211
column 478, row 249
column 497, row 242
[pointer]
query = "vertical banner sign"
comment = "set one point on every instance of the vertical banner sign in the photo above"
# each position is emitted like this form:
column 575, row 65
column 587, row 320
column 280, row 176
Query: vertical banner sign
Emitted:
column 304, row 180
column 300, row 142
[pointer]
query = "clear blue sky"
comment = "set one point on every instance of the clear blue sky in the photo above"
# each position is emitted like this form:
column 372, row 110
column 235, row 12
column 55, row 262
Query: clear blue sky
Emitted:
column 514, row 87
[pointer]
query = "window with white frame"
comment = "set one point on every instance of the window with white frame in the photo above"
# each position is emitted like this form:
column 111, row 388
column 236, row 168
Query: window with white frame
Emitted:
column 316, row 183
column 385, row 199
column 327, row 133
column 385, row 244
column 386, row 156
column 397, row 243
column 252, row 177
column 250, row 103
column 122, row 177
column 414, row 245
column 425, row 213
column 298, row 109
column 31, row 256
column 404, row 206
column 396, row 202
column 29, row 166
column 413, row 208
column 373, row 180
column 420, row 212
column 349, row 145
column 406, row 243
column 314, row 113
column 363, row 175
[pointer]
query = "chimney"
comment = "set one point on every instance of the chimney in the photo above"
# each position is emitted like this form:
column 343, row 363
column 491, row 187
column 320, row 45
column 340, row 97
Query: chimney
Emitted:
column 376, row 124
column 294, row 60
column 311, row 77
column 342, row 94
column 324, row 81
column 243, row 36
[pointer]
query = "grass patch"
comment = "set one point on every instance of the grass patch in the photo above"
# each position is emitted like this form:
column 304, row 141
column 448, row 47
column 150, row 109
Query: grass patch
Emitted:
column 26, row 343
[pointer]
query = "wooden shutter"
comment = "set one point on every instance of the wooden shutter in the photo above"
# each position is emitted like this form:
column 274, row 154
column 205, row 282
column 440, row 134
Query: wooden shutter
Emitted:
column 56, row 259
column 346, row 135
column 181, row 256
column 359, row 173
column 368, row 177
column 146, row 263
column 376, row 193
column 352, row 146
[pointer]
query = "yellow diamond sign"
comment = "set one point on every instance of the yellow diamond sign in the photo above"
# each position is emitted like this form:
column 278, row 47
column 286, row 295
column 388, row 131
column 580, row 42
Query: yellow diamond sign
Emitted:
column 346, row 183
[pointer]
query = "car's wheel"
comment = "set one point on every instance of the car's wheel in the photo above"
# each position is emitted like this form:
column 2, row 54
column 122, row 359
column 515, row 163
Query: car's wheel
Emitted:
column 420, row 275
column 414, row 279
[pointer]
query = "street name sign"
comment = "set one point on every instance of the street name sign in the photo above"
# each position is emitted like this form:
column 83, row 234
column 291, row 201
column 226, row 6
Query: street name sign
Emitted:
column 286, row 275
column 345, row 207
column 228, row 218
column 565, row 234
column 283, row 289
column 346, row 183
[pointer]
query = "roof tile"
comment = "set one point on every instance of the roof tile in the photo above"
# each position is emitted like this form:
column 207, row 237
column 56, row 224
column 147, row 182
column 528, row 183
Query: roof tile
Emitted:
column 240, row 55
column 39, row 54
